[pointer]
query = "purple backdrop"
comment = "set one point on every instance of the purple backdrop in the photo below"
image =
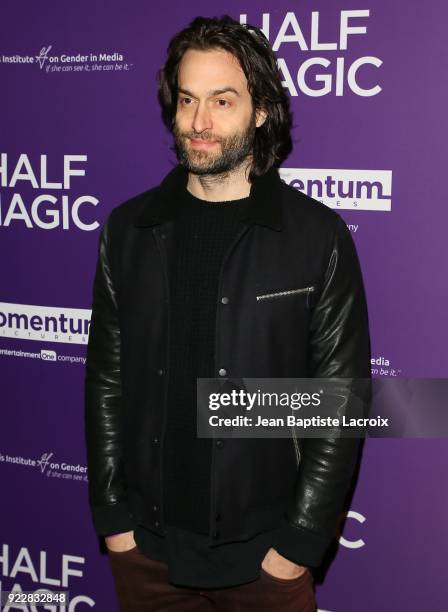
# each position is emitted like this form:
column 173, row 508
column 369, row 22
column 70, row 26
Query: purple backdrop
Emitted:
column 81, row 132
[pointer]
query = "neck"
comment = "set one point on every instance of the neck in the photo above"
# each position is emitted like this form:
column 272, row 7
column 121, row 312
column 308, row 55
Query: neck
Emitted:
column 232, row 185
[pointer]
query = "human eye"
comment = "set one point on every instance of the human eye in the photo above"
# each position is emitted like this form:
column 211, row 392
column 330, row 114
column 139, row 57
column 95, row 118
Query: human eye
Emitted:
column 185, row 101
column 222, row 103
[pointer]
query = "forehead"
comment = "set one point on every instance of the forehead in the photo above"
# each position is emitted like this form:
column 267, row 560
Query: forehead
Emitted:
column 210, row 70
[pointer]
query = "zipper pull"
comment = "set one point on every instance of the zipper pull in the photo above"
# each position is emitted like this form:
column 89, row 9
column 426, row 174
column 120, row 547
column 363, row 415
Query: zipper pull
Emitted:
column 309, row 301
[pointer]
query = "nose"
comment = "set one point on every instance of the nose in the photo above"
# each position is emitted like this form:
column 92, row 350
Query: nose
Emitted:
column 202, row 119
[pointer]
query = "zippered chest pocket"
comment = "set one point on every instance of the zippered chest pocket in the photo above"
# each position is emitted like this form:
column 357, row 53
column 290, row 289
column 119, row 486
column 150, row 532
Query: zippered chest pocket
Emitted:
column 288, row 294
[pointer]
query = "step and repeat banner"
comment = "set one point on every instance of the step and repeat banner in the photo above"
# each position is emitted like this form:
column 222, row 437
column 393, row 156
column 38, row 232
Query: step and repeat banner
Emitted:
column 80, row 132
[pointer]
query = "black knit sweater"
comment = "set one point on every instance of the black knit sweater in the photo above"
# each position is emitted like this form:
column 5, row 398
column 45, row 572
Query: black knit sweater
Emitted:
column 201, row 237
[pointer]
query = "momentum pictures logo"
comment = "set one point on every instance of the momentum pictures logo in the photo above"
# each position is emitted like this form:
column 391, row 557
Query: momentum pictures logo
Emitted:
column 49, row 323
column 343, row 189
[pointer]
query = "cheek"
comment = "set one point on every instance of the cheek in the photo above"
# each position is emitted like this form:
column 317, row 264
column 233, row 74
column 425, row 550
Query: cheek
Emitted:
column 238, row 119
column 182, row 118
column 178, row 120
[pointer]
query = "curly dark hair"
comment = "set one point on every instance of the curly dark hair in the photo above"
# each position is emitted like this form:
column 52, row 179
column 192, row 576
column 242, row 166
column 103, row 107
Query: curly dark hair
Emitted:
column 272, row 143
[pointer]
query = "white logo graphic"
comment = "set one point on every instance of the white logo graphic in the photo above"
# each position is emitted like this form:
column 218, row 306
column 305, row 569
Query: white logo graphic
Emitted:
column 48, row 355
column 49, row 467
column 328, row 70
column 343, row 189
column 49, row 323
column 43, row 55
column 353, row 543
column 46, row 210
column 84, row 61
column 44, row 461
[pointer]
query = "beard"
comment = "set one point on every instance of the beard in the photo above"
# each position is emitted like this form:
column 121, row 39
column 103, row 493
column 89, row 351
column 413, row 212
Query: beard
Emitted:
column 234, row 149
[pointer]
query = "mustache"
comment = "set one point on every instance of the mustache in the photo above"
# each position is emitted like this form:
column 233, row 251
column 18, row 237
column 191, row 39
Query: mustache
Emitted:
column 200, row 136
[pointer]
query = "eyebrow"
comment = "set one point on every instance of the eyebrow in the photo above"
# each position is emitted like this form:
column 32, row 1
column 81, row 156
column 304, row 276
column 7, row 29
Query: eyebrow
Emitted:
column 215, row 92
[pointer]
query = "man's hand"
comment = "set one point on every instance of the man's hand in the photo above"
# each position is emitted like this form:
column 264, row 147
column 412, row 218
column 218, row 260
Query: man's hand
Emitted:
column 120, row 542
column 280, row 567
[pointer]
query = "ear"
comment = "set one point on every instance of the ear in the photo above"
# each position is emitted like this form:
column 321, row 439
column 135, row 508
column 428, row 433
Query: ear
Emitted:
column 260, row 117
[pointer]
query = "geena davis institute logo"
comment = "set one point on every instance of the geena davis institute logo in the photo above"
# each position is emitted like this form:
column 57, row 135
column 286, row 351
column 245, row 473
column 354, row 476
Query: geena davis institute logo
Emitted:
column 75, row 61
column 49, row 323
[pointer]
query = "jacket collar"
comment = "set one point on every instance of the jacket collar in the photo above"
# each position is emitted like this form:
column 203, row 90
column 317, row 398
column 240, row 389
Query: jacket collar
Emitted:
column 264, row 206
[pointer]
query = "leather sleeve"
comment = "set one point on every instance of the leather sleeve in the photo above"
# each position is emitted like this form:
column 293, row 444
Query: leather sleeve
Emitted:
column 107, row 492
column 339, row 346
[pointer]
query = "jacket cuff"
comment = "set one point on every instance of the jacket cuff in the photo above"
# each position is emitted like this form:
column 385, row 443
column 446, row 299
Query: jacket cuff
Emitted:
column 111, row 519
column 299, row 545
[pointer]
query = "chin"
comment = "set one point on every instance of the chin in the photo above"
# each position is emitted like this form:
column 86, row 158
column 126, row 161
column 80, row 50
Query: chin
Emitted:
column 202, row 164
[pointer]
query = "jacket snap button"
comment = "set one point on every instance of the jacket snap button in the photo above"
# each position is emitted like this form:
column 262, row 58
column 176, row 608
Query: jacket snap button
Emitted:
column 224, row 300
column 219, row 443
column 157, row 523
column 160, row 371
column 155, row 440
column 155, row 508
column 222, row 372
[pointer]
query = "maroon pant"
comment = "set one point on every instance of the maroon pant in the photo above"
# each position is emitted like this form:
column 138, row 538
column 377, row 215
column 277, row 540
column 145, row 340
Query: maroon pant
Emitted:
column 142, row 584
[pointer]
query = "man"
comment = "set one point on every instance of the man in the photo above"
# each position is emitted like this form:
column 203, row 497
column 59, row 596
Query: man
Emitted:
column 221, row 271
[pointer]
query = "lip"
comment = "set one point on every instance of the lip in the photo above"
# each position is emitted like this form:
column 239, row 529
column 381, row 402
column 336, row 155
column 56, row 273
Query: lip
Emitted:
column 202, row 144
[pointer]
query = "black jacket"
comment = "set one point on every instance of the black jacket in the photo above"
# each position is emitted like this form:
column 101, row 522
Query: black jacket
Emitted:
column 287, row 241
